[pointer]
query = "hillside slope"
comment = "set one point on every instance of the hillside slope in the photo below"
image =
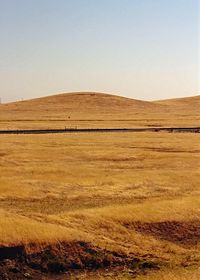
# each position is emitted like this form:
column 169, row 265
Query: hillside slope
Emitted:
column 89, row 109
column 189, row 103
column 76, row 104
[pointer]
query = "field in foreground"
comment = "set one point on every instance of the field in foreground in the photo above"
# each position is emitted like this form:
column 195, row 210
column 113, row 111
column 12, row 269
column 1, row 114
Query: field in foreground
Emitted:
column 122, row 199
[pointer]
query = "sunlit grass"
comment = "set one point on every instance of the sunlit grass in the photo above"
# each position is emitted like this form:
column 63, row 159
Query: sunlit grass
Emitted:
column 94, row 187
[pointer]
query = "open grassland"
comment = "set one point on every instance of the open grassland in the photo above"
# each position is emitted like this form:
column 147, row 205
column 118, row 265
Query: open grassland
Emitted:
column 135, row 194
column 126, row 201
column 96, row 110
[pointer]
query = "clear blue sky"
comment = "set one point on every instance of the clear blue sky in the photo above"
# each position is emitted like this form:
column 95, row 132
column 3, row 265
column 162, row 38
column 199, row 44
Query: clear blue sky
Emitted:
column 145, row 49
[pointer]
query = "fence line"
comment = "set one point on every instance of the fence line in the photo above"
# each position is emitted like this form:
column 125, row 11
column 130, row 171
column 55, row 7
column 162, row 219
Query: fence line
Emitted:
column 90, row 130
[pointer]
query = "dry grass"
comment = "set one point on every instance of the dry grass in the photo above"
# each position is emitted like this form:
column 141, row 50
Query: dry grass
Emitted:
column 96, row 186
column 19, row 229
column 98, row 110
column 177, row 274
column 192, row 273
column 119, row 191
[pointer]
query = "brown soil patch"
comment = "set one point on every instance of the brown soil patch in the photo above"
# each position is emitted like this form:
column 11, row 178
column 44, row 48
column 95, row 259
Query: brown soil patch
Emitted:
column 185, row 233
column 31, row 261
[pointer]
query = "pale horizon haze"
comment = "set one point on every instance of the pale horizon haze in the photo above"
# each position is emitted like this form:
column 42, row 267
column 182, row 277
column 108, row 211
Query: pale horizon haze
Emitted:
column 143, row 49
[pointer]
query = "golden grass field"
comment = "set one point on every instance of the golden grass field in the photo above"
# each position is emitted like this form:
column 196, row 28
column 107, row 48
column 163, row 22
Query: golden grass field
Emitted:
column 136, row 194
column 98, row 110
